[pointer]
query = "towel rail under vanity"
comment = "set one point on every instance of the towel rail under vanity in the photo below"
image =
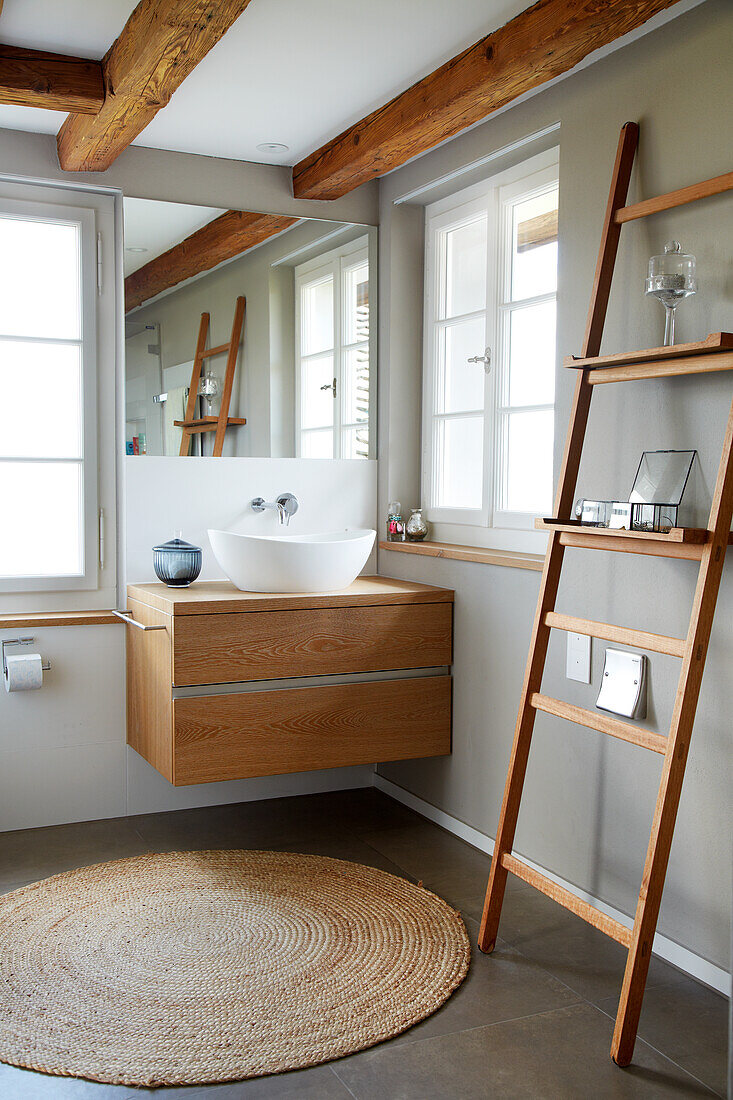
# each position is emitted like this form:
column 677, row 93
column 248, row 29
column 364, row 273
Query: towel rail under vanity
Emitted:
column 126, row 617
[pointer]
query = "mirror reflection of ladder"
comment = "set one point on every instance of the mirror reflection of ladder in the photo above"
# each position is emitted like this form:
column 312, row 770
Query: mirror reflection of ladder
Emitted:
column 707, row 547
column 219, row 424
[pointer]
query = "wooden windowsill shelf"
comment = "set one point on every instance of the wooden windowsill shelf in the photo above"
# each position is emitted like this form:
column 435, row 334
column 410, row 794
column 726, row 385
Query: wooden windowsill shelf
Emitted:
column 482, row 554
column 21, row 621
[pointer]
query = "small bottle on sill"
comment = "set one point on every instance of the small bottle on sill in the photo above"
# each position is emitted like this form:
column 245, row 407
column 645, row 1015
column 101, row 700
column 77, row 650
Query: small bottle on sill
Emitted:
column 416, row 528
column 395, row 523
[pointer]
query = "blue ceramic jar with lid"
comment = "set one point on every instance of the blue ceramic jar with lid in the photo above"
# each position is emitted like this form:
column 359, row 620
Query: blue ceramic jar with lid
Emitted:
column 177, row 563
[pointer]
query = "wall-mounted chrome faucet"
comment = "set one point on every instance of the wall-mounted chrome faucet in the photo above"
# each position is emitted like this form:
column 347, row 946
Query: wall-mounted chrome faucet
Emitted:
column 286, row 506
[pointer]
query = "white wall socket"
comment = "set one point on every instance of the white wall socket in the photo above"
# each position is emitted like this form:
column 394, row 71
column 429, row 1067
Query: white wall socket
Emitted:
column 578, row 658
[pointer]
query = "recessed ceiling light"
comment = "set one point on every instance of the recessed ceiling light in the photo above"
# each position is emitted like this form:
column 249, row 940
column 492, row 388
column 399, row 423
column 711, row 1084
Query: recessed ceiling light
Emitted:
column 272, row 147
column 130, row 248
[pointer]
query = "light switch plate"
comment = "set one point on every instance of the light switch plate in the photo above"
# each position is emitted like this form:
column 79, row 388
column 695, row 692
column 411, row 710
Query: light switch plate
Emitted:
column 578, row 658
column 623, row 687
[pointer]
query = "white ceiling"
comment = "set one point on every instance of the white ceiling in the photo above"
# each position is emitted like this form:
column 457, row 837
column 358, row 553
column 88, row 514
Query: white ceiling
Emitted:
column 287, row 71
column 157, row 226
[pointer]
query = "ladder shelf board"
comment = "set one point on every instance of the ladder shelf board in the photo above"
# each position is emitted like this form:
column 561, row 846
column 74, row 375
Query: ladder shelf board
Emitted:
column 696, row 535
column 209, row 423
column 716, row 341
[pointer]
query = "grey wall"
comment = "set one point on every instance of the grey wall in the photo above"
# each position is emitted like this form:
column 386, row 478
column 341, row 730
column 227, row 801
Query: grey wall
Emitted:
column 184, row 177
column 588, row 800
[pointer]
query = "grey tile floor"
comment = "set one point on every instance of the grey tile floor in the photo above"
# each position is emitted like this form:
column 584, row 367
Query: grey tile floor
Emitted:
column 534, row 1019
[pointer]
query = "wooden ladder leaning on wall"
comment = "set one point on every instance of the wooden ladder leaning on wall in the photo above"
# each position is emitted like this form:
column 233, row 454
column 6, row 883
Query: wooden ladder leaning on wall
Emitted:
column 220, row 423
column 708, row 547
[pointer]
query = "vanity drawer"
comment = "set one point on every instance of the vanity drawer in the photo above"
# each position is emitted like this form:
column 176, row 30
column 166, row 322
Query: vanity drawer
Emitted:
column 255, row 733
column 269, row 645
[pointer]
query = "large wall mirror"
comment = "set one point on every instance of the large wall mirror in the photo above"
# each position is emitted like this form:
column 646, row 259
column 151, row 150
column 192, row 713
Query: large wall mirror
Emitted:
column 304, row 377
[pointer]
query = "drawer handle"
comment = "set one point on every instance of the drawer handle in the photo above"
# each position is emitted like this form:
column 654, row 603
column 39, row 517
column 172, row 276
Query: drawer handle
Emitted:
column 126, row 617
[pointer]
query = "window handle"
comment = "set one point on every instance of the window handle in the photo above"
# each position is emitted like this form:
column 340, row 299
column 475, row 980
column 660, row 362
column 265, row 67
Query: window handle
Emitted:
column 485, row 359
column 330, row 386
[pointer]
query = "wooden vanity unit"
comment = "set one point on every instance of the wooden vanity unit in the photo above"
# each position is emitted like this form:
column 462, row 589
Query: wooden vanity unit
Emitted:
column 243, row 684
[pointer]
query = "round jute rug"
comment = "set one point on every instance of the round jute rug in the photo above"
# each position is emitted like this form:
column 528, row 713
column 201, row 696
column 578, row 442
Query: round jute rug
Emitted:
column 197, row 967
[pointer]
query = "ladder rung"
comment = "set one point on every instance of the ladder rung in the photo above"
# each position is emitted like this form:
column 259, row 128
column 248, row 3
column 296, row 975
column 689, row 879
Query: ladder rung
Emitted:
column 671, row 199
column 589, row 913
column 635, row 735
column 658, row 643
column 214, row 351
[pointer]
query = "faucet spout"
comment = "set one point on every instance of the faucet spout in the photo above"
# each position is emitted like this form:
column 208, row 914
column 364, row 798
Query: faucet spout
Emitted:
column 286, row 506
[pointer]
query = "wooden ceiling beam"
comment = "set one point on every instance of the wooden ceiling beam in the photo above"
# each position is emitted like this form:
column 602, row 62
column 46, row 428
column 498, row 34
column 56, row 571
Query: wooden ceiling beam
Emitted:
column 534, row 232
column 35, row 78
column 221, row 239
column 543, row 42
column 160, row 45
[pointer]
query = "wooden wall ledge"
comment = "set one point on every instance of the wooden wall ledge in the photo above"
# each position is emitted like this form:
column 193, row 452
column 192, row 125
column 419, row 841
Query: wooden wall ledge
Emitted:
column 57, row 618
column 509, row 558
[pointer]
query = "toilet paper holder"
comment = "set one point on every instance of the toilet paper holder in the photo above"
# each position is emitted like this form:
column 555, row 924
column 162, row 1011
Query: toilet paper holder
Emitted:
column 19, row 641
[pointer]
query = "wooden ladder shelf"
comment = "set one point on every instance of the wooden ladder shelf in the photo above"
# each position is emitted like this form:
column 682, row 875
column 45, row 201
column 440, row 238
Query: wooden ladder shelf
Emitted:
column 707, row 547
column 219, row 424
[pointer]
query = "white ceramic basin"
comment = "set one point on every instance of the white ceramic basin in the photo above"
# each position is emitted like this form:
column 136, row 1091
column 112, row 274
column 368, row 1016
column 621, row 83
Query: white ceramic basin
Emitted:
column 292, row 563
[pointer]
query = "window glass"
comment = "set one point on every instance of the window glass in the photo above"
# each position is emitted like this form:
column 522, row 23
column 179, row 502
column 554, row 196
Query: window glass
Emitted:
column 460, row 445
column 528, row 465
column 356, row 304
column 355, row 386
column 317, row 316
column 316, row 405
column 317, row 444
column 356, row 442
column 42, row 519
column 51, row 375
column 464, row 249
column 534, row 246
column 460, row 384
column 532, row 354
column 40, row 288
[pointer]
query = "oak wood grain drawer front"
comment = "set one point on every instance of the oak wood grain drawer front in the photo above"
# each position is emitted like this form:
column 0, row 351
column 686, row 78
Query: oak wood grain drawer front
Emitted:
column 225, row 648
column 256, row 733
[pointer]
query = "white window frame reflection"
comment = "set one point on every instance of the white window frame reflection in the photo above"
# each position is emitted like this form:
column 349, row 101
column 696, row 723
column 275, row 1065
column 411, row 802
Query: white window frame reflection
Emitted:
column 335, row 265
column 489, row 523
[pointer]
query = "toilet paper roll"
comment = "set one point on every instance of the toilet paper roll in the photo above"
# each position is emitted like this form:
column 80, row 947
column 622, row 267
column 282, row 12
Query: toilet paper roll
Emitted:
column 24, row 672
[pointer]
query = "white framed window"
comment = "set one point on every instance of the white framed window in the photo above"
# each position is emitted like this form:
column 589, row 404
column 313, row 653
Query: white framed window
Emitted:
column 333, row 381
column 489, row 358
column 56, row 326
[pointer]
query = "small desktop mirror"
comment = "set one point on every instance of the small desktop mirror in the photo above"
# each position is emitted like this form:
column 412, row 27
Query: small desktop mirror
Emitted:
column 658, row 489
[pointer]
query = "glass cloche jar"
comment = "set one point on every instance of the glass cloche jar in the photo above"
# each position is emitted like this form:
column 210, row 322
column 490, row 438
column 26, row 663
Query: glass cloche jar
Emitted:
column 672, row 277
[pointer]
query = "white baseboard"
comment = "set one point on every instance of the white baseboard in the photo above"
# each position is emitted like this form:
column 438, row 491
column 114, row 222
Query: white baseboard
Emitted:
column 681, row 957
